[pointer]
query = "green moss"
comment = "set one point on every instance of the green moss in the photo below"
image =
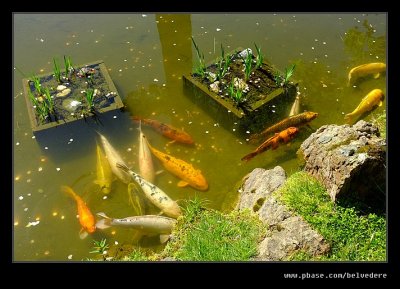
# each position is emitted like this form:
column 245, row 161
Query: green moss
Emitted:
column 209, row 235
column 353, row 236
column 135, row 255
column 380, row 121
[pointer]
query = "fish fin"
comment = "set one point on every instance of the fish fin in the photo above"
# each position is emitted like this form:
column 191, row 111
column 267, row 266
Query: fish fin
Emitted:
column 159, row 172
column 102, row 224
column 171, row 142
column 348, row 118
column 83, row 234
column 380, row 103
column 182, row 184
column 164, row 238
column 103, row 215
column 249, row 156
column 377, row 75
column 160, row 213
column 122, row 167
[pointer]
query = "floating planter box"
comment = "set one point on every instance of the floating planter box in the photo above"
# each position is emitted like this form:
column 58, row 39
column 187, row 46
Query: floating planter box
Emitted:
column 249, row 102
column 82, row 92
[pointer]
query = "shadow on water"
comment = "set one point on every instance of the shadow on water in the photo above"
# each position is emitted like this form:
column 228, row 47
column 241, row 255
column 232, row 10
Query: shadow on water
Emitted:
column 79, row 136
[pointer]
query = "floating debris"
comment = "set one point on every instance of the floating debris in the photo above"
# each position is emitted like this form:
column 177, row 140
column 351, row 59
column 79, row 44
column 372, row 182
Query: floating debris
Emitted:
column 58, row 169
column 17, row 144
column 69, row 257
column 218, row 29
column 105, row 198
column 32, row 224
column 20, row 198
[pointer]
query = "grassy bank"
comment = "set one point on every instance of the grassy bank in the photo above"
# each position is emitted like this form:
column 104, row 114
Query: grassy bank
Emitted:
column 354, row 235
column 209, row 235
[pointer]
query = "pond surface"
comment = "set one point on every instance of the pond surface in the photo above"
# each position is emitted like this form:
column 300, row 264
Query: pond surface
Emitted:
column 146, row 56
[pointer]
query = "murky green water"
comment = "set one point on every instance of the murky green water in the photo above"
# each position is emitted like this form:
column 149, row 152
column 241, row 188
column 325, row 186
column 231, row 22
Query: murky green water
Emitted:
column 146, row 56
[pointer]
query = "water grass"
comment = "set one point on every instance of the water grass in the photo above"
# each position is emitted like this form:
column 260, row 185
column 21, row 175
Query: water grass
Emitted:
column 100, row 248
column 283, row 80
column 201, row 66
column 354, row 234
column 260, row 57
column 57, row 71
column 248, row 62
column 68, row 66
column 236, row 93
column 209, row 235
column 40, row 108
column 223, row 64
column 36, row 84
column 89, row 96
column 48, row 101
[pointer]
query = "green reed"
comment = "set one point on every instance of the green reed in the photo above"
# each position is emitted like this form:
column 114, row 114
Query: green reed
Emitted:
column 260, row 57
column 248, row 61
column 288, row 74
column 68, row 65
column 48, row 101
column 36, row 84
column 223, row 64
column 235, row 93
column 201, row 66
column 89, row 95
column 57, row 71
column 40, row 107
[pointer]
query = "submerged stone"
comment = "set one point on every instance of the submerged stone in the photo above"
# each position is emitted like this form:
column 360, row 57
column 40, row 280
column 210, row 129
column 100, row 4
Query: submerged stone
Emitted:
column 71, row 105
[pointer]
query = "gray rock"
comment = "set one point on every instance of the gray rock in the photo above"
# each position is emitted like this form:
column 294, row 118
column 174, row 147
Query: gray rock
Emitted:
column 347, row 160
column 287, row 232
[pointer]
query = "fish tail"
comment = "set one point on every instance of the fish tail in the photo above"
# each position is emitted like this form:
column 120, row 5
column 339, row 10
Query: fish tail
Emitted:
column 136, row 118
column 348, row 118
column 103, row 223
column 249, row 156
column 70, row 192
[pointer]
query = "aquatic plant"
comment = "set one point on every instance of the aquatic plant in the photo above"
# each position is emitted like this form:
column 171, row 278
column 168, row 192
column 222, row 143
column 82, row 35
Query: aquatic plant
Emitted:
column 201, row 66
column 236, row 93
column 48, row 101
column 283, row 80
column 100, row 247
column 68, row 65
column 39, row 107
column 36, row 84
column 259, row 58
column 355, row 232
column 247, row 66
column 223, row 64
column 89, row 95
column 57, row 71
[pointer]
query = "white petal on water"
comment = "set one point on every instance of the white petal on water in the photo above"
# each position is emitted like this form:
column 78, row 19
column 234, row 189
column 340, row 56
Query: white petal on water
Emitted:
column 21, row 198
column 71, row 139
column 69, row 257
column 247, row 131
column 17, row 144
column 46, row 148
column 114, row 116
column 33, row 137
column 218, row 29
column 26, row 209
column 58, row 169
column 116, row 242
column 105, row 198
column 155, row 80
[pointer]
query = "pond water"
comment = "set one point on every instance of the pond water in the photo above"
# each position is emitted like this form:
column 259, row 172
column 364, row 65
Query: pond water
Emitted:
column 146, row 56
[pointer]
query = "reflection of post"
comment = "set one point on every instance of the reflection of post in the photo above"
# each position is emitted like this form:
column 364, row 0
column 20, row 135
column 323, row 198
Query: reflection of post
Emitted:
column 175, row 31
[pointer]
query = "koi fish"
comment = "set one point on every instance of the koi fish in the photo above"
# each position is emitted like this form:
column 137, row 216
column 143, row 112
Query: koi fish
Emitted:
column 369, row 102
column 113, row 158
column 155, row 195
column 295, row 107
column 295, row 120
column 186, row 172
column 104, row 173
column 148, row 224
column 86, row 218
column 167, row 130
column 273, row 142
column 364, row 70
column 146, row 166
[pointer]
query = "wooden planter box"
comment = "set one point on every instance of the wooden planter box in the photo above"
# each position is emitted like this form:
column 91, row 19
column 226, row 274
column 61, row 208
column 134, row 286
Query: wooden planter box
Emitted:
column 269, row 104
column 106, row 98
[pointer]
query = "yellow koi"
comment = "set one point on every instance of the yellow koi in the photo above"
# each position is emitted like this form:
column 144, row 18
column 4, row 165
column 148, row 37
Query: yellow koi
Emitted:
column 183, row 170
column 365, row 70
column 369, row 102
column 104, row 173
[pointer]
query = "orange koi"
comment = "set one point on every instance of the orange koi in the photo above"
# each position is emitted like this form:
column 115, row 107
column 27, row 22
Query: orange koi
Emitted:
column 273, row 142
column 86, row 218
column 186, row 172
column 292, row 121
column 167, row 130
